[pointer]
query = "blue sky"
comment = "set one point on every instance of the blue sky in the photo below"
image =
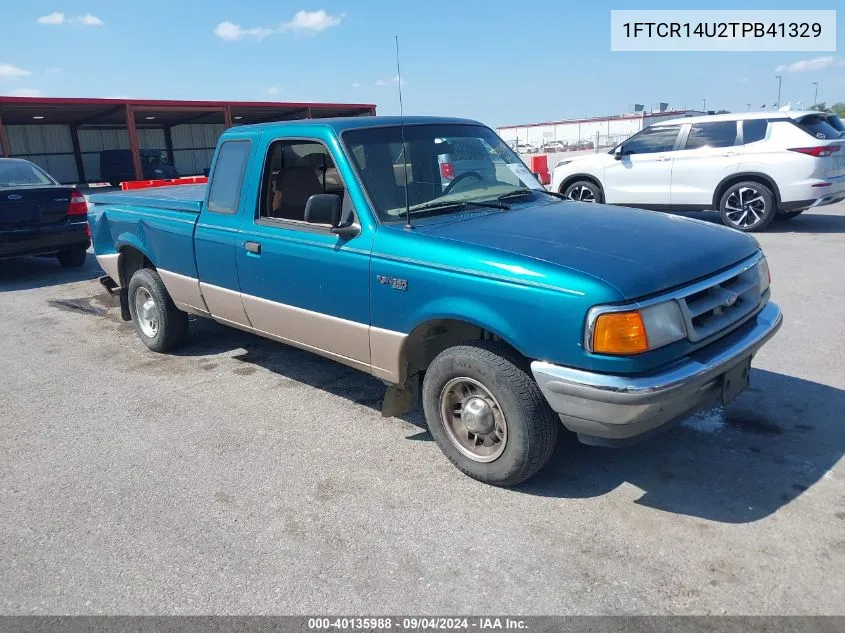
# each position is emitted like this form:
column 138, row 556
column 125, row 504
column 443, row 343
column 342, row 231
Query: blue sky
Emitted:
column 499, row 62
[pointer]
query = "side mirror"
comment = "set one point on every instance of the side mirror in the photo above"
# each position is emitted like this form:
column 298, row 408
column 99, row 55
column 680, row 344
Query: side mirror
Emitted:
column 618, row 153
column 323, row 208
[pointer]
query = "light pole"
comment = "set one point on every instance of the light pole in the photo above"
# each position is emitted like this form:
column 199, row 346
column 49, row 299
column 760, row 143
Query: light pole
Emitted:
column 748, row 105
column 704, row 105
column 816, row 96
column 780, row 79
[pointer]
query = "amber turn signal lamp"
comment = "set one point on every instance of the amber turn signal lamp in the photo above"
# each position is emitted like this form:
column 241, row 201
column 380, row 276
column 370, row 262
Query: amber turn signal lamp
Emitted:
column 619, row 333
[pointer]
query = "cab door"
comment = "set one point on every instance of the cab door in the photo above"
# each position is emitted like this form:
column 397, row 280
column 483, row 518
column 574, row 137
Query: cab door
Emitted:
column 710, row 152
column 642, row 174
column 301, row 283
column 216, row 232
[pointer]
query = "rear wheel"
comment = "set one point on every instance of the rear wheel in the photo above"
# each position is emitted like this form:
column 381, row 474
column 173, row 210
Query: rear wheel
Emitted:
column 487, row 413
column 583, row 191
column 157, row 320
column 747, row 206
column 72, row 257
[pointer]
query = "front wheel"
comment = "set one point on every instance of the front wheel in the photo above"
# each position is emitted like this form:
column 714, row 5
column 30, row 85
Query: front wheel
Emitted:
column 747, row 206
column 158, row 322
column 583, row 191
column 487, row 414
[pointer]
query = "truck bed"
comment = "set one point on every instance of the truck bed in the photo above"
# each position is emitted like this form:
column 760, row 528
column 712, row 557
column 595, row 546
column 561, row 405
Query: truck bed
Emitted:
column 177, row 198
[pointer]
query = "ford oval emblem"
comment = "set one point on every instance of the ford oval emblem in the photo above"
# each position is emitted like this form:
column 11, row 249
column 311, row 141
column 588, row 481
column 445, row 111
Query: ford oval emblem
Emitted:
column 14, row 196
column 731, row 299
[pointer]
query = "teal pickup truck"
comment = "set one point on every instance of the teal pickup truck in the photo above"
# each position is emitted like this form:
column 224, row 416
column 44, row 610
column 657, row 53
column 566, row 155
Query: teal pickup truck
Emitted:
column 357, row 239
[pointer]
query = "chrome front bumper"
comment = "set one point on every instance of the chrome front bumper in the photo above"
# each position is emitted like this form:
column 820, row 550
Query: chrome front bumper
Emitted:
column 606, row 409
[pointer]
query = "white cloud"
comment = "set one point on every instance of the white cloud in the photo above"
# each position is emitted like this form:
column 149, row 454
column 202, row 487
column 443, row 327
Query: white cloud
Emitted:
column 233, row 32
column 804, row 65
column 357, row 84
column 7, row 71
column 273, row 90
column 53, row 18
column 26, row 92
column 89, row 20
column 311, row 21
column 743, row 80
column 393, row 80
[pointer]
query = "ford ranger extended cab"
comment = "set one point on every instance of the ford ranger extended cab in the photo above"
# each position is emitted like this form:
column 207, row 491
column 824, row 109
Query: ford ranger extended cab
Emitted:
column 519, row 311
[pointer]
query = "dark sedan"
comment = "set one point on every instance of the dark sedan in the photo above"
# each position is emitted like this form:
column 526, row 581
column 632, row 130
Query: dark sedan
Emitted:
column 39, row 216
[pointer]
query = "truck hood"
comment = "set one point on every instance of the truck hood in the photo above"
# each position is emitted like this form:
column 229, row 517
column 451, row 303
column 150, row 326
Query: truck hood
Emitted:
column 637, row 252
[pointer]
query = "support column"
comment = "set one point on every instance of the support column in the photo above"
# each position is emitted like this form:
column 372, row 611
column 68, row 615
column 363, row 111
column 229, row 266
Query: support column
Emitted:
column 168, row 144
column 227, row 116
column 133, row 142
column 309, row 114
column 5, row 148
column 77, row 154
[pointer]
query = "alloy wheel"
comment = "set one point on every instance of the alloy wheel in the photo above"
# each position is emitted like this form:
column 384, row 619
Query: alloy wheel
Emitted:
column 473, row 419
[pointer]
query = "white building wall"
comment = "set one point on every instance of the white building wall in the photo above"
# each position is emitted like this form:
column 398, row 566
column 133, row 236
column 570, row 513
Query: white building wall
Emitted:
column 193, row 146
column 48, row 146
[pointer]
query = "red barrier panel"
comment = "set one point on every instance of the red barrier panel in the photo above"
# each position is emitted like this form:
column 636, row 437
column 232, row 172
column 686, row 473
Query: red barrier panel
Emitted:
column 169, row 182
column 540, row 165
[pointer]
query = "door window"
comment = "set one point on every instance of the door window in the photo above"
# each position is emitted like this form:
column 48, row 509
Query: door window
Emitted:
column 653, row 139
column 714, row 134
column 228, row 177
column 293, row 172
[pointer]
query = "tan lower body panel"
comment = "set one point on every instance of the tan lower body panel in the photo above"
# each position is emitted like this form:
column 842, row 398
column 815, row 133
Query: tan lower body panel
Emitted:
column 224, row 304
column 370, row 349
column 386, row 354
column 185, row 292
column 110, row 265
column 344, row 338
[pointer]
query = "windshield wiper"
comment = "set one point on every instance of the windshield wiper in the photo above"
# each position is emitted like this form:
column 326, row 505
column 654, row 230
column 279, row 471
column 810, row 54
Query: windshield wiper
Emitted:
column 460, row 204
column 518, row 193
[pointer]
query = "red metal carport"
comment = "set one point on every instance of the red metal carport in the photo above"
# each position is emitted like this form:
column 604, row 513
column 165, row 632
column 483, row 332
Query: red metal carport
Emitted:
column 20, row 118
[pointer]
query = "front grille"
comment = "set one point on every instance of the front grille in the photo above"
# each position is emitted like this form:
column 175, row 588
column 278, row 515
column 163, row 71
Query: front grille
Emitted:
column 712, row 307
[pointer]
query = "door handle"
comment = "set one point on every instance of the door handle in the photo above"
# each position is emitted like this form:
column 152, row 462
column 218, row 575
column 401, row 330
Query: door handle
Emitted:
column 663, row 159
column 729, row 154
column 253, row 247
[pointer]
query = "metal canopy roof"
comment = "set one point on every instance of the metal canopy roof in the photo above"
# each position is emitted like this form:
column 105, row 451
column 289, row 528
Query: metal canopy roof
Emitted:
column 74, row 111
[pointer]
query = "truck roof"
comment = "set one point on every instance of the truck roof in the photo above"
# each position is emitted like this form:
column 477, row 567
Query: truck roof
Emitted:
column 340, row 124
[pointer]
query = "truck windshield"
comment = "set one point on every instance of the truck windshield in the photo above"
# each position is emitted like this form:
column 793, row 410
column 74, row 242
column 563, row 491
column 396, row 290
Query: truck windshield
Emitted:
column 449, row 168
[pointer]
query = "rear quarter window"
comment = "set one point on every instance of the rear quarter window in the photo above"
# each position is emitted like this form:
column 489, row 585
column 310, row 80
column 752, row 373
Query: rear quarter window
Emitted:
column 754, row 130
column 228, row 176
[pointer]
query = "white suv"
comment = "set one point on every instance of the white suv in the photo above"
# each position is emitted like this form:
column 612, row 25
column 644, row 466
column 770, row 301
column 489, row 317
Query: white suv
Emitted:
column 751, row 167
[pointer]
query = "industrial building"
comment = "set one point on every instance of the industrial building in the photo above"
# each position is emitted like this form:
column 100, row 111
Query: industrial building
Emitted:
column 66, row 136
column 603, row 131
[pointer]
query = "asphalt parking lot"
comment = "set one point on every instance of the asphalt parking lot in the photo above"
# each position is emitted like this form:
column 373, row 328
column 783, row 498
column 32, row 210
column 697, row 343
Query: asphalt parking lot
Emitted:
column 243, row 476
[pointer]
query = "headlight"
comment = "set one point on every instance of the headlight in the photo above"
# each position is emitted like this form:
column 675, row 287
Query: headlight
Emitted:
column 635, row 331
column 764, row 275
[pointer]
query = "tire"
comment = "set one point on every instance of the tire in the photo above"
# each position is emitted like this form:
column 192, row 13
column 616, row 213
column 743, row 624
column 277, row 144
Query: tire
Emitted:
column 747, row 206
column 583, row 191
column 524, row 430
column 788, row 215
column 72, row 258
column 160, row 324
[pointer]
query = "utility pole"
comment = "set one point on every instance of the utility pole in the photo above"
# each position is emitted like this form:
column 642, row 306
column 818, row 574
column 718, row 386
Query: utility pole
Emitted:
column 780, row 79
column 748, row 105
column 704, row 105
column 816, row 96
